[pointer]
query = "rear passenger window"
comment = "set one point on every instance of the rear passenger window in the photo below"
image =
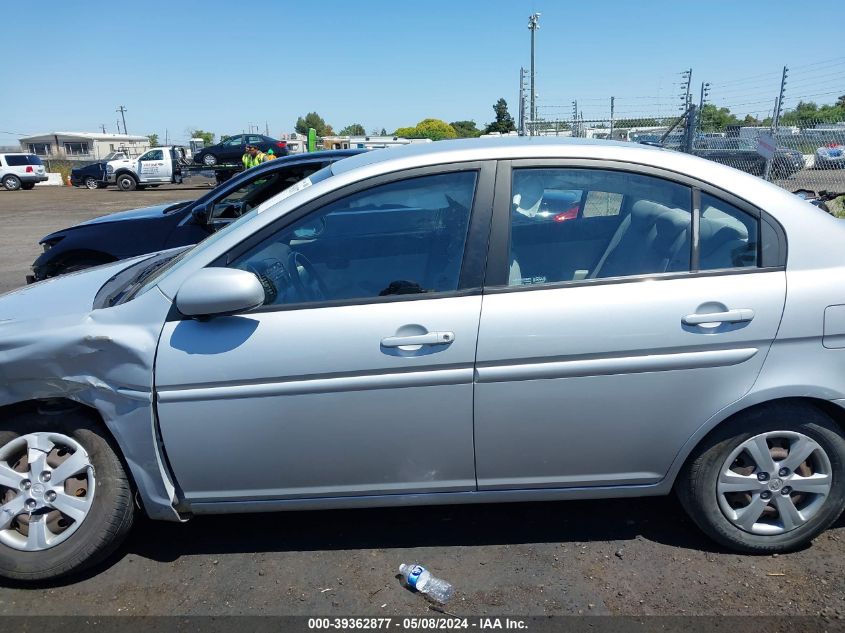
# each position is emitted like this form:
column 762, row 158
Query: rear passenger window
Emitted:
column 728, row 237
column 570, row 224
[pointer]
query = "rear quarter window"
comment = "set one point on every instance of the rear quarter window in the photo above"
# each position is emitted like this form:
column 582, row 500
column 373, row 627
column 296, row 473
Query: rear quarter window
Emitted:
column 20, row 160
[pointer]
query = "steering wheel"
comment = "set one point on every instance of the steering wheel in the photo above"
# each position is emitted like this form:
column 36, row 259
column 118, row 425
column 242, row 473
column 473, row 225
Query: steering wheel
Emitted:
column 309, row 286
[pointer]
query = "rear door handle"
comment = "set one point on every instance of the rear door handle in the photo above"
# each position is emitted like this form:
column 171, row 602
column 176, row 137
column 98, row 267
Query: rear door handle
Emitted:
column 429, row 338
column 731, row 316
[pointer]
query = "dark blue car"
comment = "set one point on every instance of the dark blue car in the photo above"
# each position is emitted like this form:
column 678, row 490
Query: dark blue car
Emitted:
column 150, row 229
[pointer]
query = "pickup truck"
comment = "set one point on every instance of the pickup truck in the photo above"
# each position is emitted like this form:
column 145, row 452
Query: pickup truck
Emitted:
column 161, row 165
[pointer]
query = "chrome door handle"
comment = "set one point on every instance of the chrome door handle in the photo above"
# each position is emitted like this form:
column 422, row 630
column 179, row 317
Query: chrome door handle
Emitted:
column 731, row 316
column 429, row 338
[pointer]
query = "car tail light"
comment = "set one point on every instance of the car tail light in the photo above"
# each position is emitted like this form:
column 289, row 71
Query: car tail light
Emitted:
column 282, row 144
column 570, row 214
column 29, row 169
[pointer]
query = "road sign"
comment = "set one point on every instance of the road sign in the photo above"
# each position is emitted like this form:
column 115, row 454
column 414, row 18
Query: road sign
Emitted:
column 766, row 146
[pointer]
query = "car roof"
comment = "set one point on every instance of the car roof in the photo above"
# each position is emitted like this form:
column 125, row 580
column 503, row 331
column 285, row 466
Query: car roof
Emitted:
column 491, row 148
column 309, row 157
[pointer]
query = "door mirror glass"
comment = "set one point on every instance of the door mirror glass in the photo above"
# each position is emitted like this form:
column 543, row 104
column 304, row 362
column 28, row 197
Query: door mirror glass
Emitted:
column 219, row 291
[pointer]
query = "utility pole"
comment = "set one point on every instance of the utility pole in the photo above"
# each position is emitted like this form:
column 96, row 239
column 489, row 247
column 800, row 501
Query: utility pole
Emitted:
column 778, row 109
column 521, row 124
column 705, row 91
column 117, row 123
column 103, row 125
column 533, row 25
column 575, row 119
column 611, row 118
column 122, row 111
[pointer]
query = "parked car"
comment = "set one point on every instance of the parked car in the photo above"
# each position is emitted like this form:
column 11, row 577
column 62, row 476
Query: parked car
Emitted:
column 830, row 157
column 232, row 149
column 130, row 233
column 741, row 153
column 21, row 171
column 383, row 332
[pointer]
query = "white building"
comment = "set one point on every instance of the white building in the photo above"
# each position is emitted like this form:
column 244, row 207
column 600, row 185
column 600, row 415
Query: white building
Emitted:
column 83, row 146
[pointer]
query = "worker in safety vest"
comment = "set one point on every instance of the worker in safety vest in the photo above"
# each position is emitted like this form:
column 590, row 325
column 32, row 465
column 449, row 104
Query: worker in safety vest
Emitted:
column 252, row 157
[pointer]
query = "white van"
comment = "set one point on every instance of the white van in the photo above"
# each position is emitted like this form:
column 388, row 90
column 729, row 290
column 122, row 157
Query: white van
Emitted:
column 21, row 171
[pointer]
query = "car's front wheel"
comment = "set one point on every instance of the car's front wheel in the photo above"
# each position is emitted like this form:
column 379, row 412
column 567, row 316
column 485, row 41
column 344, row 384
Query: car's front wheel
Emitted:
column 770, row 481
column 65, row 499
column 125, row 182
column 11, row 183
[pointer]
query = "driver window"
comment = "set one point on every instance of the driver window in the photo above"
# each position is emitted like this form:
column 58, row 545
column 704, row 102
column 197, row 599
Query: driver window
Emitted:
column 235, row 140
column 254, row 192
column 405, row 237
column 155, row 154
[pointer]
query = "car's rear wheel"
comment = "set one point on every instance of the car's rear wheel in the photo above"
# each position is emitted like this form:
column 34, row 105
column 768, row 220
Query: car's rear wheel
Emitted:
column 28, row 186
column 126, row 182
column 11, row 183
column 209, row 159
column 92, row 183
column 769, row 481
column 65, row 499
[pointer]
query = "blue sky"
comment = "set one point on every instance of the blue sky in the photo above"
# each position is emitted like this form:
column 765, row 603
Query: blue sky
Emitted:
column 220, row 65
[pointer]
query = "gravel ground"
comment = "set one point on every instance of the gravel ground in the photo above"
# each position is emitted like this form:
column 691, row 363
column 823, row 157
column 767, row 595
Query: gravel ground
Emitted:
column 634, row 557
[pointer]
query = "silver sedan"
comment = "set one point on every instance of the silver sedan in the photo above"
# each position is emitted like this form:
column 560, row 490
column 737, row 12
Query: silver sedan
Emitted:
column 470, row 321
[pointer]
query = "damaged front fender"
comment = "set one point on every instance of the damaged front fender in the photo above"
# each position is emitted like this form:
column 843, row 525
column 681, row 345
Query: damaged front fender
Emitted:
column 54, row 345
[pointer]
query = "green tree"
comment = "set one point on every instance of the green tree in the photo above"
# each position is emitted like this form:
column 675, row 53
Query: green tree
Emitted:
column 504, row 121
column 406, row 132
column 153, row 140
column 356, row 129
column 435, row 129
column 466, row 129
column 225, row 137
column 840, row 102
column 714, row 118
column 312, row 119
column 383, row 132
column 207, row 137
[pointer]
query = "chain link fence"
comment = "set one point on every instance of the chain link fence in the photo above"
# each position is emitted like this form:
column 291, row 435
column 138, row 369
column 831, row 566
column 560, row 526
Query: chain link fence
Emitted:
column 797, row 113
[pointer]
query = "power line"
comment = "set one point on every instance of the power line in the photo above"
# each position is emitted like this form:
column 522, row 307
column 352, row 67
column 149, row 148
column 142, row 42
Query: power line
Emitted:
column 825, row 61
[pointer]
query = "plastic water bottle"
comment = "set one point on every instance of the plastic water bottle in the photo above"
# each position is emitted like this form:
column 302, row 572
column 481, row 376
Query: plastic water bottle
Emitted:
column 418, row 578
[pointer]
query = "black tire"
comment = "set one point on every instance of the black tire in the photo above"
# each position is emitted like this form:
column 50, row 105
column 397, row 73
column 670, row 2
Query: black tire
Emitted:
column 209, row 160
column 696, row 484
column 126, row 182
column 110, row 517
column 92, row 183
column 11, row 183
column 28, row 186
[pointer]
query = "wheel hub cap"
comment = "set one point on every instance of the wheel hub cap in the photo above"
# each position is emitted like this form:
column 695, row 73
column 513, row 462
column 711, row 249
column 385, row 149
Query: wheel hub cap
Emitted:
column 774, row 482
column 47, row 486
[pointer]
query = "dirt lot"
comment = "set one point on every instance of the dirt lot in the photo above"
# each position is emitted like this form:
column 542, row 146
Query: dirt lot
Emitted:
column 632, row 557
column 30, row 215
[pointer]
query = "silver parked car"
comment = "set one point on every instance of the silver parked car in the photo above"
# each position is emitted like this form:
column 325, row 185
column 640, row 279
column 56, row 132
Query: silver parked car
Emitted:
column 409, row 327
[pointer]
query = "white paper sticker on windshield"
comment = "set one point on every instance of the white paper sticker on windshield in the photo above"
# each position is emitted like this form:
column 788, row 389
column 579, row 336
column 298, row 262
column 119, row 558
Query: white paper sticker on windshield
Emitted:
column 287, row 193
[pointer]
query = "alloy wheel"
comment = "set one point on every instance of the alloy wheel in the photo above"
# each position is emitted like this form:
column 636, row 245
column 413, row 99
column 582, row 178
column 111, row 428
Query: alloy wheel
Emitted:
column 774, row 482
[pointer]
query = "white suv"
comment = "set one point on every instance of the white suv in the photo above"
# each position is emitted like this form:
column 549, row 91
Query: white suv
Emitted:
column 21, row 171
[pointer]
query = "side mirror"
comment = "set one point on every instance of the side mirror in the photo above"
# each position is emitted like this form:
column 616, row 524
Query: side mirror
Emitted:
column 200, row 214
column 219, row 291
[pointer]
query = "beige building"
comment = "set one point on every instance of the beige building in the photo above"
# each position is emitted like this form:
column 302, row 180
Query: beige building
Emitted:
column 83, row 146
